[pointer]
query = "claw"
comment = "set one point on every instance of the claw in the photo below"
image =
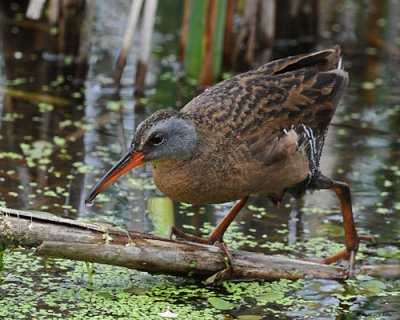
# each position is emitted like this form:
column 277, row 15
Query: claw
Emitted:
column 170, row 233
column 348, row 254
column 220, row 275
column 216, row 238
column 352, row 263
column 228, row 271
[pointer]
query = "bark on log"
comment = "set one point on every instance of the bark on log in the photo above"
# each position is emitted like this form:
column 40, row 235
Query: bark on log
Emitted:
column 63, row 238
column 188, row 259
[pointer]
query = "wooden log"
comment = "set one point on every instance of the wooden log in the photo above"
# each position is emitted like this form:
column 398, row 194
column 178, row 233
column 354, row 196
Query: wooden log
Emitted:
column 63, row 238
column 188, row 259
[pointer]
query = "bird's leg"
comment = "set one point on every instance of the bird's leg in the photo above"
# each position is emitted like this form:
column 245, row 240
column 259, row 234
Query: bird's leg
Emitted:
column 220, row 229
column 216, row 238
column 228, row 271
column 218, row 233
column 351, row 238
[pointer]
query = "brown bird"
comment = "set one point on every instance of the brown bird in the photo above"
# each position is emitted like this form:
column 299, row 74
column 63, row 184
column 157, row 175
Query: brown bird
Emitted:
column 258, row 133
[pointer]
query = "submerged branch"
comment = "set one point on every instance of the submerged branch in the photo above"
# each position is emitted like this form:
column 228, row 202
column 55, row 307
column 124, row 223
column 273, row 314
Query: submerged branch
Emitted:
column 63, row 238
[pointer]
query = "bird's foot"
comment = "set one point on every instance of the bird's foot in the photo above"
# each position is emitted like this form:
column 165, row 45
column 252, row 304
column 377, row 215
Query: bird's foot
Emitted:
column 220, row 275
column 228, row 271
column 348, row 254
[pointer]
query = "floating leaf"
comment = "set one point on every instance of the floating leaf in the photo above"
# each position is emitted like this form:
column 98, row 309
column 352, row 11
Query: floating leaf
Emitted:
column 273, row 296
column 368, row 85
column 220, row 304
column 50, row 193
column 382, row 210
column 373, row 286
column 329, row 230
column 114, row 105
column 388, row 253
column 59, row 141
column 387, row 183
column 45, row 107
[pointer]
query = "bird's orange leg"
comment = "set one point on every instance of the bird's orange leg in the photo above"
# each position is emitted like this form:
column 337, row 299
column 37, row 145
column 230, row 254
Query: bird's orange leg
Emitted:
column 216, row 238
column 218, row 234
column 220, row 229
column 351, row 238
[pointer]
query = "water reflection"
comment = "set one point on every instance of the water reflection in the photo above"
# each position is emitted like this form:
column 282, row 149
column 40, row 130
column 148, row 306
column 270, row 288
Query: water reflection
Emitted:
column 42, row 104
column 53, row 122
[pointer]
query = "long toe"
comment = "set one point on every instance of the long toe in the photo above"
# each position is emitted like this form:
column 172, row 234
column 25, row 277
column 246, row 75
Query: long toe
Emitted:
column 220, row 275
column 228, row 271
column 180, row 235
column 341, row 255
column 352, row 264
column 344, row 254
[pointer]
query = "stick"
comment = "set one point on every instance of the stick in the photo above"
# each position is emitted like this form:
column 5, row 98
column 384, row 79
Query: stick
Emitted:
column 133, row 17
column 147, row 28
column 64, row 238
column 84, row 39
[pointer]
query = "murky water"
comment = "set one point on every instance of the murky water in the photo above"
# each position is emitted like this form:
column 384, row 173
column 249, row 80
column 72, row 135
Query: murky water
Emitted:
column 59, row 134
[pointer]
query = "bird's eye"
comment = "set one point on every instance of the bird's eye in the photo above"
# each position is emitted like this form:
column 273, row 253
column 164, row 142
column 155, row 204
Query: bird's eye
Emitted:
column 157, row 139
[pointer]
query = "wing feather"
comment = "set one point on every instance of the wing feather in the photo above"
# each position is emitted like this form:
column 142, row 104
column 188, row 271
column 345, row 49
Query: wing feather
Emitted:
column 256, row 106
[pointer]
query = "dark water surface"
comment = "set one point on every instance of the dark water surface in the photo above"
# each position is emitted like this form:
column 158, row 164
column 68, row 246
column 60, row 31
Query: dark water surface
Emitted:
column 59, row 134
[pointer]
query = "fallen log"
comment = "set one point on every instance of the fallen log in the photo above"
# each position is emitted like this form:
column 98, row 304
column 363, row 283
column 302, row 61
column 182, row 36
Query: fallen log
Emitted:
column 53, row 236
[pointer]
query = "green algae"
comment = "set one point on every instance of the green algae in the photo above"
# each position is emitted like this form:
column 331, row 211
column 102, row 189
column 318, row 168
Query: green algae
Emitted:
column 58, row 288
column 114, row 292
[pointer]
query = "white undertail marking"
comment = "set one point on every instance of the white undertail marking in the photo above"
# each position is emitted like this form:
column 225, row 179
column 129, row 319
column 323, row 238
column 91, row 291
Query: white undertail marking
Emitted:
column 313, row 152
column 339, row 65
column 307, row 137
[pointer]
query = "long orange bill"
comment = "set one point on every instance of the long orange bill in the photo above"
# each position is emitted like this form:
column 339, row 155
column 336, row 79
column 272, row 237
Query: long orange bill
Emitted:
column 130, row 160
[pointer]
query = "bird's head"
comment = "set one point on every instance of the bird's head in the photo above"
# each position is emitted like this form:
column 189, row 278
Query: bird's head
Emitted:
column 165, row 135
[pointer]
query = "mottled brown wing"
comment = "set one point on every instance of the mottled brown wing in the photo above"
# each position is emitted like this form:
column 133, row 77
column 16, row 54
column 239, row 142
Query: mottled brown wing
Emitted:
column 299, row 97
column 284, row 92
column 320, row 61
column 307, row 97
column 266, row 104
column 255, row 107
column 303, row 97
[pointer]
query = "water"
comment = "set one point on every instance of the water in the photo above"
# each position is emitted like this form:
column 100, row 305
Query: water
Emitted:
column 89, row 203
column 60, row 134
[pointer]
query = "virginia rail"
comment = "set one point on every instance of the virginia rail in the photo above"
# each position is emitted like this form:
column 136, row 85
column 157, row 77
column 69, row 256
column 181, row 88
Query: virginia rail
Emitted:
column 258, row 133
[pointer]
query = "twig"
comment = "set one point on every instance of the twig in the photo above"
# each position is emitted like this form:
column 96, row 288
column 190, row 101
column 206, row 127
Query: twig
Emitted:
column 134, row 12
column 147, row 28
